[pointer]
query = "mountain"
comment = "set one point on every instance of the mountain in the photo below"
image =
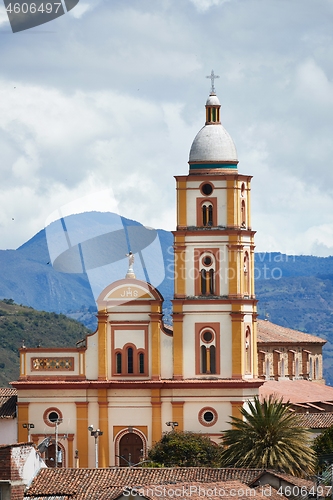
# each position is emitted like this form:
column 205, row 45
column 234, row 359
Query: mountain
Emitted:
column 20, row 325
column 64, row 267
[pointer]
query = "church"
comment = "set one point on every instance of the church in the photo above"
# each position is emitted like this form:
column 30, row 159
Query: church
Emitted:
column 135, row 378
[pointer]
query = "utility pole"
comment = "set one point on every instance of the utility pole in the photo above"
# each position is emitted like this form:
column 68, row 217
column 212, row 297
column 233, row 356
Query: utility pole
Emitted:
column 57, row 422
column 95, row 433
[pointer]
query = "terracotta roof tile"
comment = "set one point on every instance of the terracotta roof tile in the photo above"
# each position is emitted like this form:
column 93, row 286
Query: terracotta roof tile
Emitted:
column 270, row 333
column 265, row 491
column 194, row 490
column 8, row 401
column 315, row 420
column 297, row 391
column 80, row 483
column 297, row 481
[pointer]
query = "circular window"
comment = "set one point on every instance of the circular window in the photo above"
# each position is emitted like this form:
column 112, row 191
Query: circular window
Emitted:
column 207, row 336
column 51, row 416
column 207, row 416
column 207, row 261
column 207, row 189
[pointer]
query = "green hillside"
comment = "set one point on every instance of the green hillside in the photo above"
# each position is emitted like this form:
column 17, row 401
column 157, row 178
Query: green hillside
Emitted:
column 19, row 323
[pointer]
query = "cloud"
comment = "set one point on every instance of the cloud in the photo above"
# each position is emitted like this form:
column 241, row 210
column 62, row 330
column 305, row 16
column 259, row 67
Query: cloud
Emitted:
column 3, row 15
column 81, row 9
column 115, row 97
column 204, row 5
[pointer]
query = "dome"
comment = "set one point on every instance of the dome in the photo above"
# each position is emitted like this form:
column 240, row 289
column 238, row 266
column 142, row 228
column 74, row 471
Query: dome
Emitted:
column 213, row 147
column 213, row 100
column 213, row 144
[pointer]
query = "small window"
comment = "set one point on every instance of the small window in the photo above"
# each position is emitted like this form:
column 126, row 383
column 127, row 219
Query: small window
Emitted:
column 203, row 282
column 210, row 215
column 141, row 362
column 130, row 360
column 207, row 336
column 118, row 362
column 204, row 215
column 53, row 417
column 207, row 215
column 207, row 189
column 211, row 281
column 208, row 416
column 212, row 353
column 207, row 261
column 203, row 359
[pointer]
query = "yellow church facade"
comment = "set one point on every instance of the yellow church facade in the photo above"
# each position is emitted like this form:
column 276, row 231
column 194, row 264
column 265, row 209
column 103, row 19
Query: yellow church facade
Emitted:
column 135, row 378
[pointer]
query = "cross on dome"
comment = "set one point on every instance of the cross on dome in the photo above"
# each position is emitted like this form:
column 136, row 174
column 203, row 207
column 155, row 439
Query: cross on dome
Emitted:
column 212, row 77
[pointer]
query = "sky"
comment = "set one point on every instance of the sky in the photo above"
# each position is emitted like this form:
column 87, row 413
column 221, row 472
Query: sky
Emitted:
column 98, row 110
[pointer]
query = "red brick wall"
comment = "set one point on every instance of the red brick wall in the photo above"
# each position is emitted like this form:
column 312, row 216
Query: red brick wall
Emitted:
column 17, row 492
column 5, row 462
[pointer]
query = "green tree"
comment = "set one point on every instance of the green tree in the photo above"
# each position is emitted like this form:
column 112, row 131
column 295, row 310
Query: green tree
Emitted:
column 185, row 449
column 323, row 447
column 268, row 437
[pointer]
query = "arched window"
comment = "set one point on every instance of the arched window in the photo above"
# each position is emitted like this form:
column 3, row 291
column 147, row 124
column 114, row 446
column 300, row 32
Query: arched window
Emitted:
column 243, row 214
column 207, row 352
column 203, row 282
column 129, row 360
column 207, row 348
column 211, row 281
column 204, row 215
column 53, row 459
column 246, row 274
column 118, row 362
column 311, row 369
column 212, row 352
column 203, row 359
column 210, row 215
column 207, row 265
column 248, row 366
column 207, row 214
column 141, row 362
column 317, row 375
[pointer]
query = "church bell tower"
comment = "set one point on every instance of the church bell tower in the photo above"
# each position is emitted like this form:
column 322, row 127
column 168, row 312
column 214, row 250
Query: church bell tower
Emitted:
column 214, row 306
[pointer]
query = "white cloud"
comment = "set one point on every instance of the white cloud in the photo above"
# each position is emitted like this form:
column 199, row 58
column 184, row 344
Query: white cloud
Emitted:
column 204, row 5
column 81, row 9
column 3, row 15
column 115, row 100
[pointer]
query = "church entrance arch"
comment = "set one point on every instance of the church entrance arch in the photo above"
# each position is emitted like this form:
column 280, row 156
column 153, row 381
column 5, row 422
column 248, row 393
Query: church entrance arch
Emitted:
column 130, row 450
column 50, row 455
column 130, row 447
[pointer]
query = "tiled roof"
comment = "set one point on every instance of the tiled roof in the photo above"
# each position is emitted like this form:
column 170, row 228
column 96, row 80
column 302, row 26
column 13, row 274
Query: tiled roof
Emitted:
column 195, row 490
column 297, row 481
column 8, row 400
column 270, row 333
column 80, row 483
column 266, row 491
column 315, row 420
column 48, row 497
column 297, row 391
